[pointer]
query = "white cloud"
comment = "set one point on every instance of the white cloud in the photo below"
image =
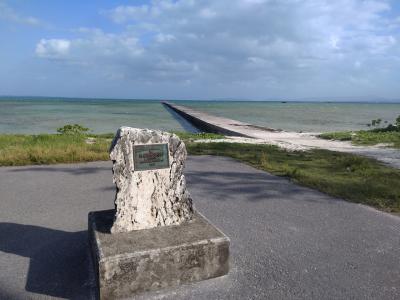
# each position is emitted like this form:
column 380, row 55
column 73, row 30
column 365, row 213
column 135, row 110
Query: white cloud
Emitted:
column 334, row 42
column 53, row 48
column 9, row 14
column 161, row 38
column 207, row 13
column 268, row 46
column 122, row 14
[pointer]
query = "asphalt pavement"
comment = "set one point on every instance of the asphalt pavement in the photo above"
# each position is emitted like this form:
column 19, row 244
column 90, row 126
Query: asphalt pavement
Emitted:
column 287, row 241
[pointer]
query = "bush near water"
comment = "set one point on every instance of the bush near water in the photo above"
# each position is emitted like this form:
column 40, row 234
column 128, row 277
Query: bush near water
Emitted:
column 378, row 135
column 72, row 129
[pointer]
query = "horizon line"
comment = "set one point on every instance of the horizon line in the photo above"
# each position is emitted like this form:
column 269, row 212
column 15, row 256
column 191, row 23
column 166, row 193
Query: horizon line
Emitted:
column 343, row 99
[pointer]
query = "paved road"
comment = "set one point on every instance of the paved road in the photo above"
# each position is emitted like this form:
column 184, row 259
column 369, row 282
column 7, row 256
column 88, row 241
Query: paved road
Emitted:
column 288, row 242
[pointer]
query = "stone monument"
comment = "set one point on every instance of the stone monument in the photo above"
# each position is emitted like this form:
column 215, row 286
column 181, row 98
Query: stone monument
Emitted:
column 153, row 238
column 148, row 172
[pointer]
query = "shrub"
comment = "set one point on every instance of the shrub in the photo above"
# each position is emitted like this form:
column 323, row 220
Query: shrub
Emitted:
column 72, row 129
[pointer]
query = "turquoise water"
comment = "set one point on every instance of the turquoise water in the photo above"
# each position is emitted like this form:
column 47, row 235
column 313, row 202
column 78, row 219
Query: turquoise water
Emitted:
column 303, row 116
column 46, row 115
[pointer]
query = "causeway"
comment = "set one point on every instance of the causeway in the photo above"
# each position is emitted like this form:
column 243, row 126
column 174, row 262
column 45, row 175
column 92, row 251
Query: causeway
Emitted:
column 284, row 139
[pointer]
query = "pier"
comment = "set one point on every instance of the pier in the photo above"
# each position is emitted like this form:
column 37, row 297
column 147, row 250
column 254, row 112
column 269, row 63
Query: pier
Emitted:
column 284, row 139
column 216, row 124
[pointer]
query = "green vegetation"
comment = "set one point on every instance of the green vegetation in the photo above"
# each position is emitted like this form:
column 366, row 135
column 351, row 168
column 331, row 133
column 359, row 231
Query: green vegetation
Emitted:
column 72, row 129
column 366, row 137
column 348, row 176
column 343, row 175
column 377, row 124
column 338, row 135
column 17, row 150
column 72, row 145
column 387, row 135
column 189, row 137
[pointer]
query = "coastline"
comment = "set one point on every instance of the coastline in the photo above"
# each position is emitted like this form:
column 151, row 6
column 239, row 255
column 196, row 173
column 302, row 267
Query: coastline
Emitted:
column 291, row 141
column 105, row 115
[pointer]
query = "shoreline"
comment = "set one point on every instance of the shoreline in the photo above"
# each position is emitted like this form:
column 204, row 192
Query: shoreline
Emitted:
column 43, row 116
column 291, row 141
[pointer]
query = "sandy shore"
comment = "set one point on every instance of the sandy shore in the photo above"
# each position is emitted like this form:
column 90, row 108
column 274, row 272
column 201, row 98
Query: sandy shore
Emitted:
column 294, row 141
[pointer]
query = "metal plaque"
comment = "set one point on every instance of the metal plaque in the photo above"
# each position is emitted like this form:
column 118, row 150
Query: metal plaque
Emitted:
column 150, row 157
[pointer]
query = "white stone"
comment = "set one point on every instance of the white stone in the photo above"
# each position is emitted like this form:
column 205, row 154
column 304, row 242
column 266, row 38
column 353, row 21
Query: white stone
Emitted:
column 149, row 198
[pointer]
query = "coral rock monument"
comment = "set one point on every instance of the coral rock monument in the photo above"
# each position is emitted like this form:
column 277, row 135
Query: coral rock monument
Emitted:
column 153, row 238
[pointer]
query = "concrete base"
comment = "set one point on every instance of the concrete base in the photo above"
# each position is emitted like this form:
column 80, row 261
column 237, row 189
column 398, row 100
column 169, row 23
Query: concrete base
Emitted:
column 137, row 261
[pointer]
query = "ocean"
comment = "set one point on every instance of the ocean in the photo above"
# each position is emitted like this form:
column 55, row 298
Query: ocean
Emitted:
column 45, row 115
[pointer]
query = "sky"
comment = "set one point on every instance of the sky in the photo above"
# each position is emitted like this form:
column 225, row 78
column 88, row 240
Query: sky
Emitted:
column 186, row 49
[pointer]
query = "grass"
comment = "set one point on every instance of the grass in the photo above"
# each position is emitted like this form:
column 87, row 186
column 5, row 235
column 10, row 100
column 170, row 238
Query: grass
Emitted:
column 343, row 175
column 18, row 150
column 186, row 136
column 189, row 137
column 366, row 137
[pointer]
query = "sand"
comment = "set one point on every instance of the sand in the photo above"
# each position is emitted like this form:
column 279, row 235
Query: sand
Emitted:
column 294, row 141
